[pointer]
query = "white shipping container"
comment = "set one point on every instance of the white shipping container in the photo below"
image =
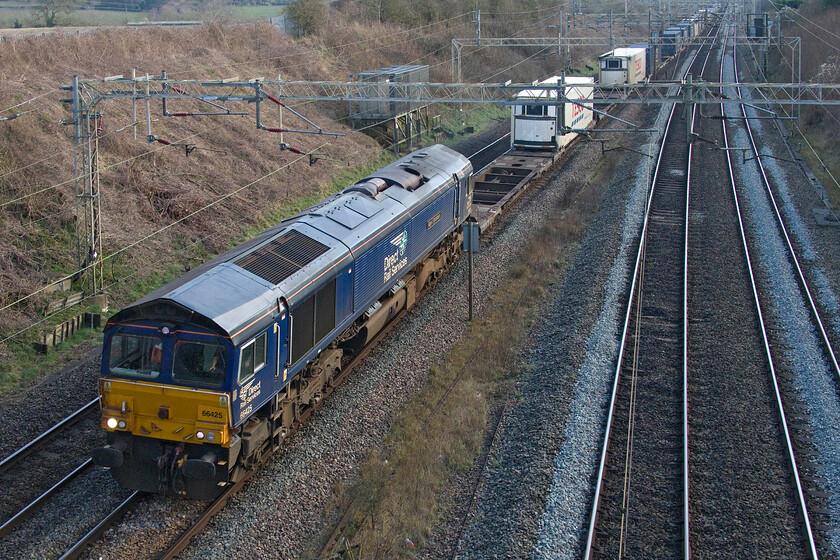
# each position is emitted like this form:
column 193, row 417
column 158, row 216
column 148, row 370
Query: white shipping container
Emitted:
column 542, row 126
column 622, row 66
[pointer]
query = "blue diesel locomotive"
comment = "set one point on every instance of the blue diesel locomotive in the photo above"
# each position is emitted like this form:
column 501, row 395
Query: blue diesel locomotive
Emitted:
column 202, row 375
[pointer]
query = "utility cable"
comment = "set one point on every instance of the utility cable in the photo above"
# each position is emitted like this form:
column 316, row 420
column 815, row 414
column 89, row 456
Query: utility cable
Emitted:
column 108, row 257
column 161, row 230
column 50, row 92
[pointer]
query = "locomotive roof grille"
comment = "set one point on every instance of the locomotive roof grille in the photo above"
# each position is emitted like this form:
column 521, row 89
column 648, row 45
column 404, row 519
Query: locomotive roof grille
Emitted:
column 282, row 257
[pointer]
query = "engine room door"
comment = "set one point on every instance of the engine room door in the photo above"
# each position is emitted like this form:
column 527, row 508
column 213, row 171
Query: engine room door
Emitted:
column 457, row 203
column 281, row 331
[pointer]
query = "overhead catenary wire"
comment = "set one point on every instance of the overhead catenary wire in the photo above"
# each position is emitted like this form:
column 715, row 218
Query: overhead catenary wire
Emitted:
column 410, row 37
column 20, row 300
column 796, row 126
column 484, row 79
column 151, row 151
column 161, row 230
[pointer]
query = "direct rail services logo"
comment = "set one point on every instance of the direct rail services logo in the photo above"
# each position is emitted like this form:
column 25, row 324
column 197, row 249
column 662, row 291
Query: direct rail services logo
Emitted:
column 397, row 260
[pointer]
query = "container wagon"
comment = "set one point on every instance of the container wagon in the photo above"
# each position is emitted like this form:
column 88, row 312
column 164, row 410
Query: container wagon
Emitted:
column 622, row 66
column 671, row 41
column 551, row 127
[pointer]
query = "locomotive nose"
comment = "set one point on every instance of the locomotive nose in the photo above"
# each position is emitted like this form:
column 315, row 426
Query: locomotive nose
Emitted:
column 107, row 457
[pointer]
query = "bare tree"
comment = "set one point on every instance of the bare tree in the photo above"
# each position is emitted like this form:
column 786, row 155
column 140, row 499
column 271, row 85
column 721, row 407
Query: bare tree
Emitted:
column 49, row 10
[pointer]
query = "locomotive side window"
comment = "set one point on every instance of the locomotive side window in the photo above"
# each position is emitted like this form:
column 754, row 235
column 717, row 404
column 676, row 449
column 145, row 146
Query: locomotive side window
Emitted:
column 135, row 355
column 199, row 362
column 252, row 358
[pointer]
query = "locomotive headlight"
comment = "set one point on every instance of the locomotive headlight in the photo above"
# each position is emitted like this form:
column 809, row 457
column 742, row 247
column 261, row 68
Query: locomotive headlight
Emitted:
column 210, row 436
column 199, row 435
column 121, row 424
column 112, row 423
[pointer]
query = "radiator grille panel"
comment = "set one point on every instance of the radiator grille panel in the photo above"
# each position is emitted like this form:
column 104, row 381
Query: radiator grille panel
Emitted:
column 282, row 257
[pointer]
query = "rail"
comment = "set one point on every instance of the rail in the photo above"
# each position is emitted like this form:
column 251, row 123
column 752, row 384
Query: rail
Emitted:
column 9, row 461
column 81, row 545
column 20, row 516
column 800, row 494
column 635, row 293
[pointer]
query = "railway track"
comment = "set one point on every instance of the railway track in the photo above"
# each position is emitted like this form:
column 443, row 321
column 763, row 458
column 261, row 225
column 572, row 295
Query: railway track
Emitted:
column 124, row 506
column 640, row 508
column 814, row 514
column 506, row 178
column 725, row 488
column 807, row 291
column 47, row 483
column 108, row 519
column 734, row 403
column 42, row 483
column 645, row 429
column 459, row 537
column 219, row 503
column 664, row 221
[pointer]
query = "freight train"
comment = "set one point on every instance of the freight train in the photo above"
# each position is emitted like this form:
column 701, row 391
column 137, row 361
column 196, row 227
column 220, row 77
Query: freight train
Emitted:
column 200, row 377
column 637, row 62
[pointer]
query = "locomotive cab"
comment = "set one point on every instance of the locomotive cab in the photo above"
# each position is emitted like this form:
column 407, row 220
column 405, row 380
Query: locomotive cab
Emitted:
column 170, row 397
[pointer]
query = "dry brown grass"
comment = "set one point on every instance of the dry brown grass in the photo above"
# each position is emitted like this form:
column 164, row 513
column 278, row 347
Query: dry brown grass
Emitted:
column 144, row 194
column 147, row 187
column 153, row 189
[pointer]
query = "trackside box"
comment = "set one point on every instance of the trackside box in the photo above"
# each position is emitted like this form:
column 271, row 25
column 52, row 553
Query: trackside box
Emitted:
column 551, row 127
column 622, row 66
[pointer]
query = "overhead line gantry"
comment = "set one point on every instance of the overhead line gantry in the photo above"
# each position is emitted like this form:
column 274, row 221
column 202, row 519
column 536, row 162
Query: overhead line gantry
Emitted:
column 89, row 94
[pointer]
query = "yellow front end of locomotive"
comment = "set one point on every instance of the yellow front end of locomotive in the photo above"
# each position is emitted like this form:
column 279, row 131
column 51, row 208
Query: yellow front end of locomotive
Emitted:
column 164, row 412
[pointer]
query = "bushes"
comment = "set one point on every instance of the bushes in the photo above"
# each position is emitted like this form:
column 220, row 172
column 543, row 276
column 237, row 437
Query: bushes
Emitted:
column 307, row 15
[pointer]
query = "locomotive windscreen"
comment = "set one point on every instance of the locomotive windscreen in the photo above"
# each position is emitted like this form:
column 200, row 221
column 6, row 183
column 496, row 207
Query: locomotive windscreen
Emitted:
column 135, row 355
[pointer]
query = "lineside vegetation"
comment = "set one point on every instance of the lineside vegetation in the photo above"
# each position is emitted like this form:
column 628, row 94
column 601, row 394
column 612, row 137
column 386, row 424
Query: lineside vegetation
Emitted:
column 440, row 434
